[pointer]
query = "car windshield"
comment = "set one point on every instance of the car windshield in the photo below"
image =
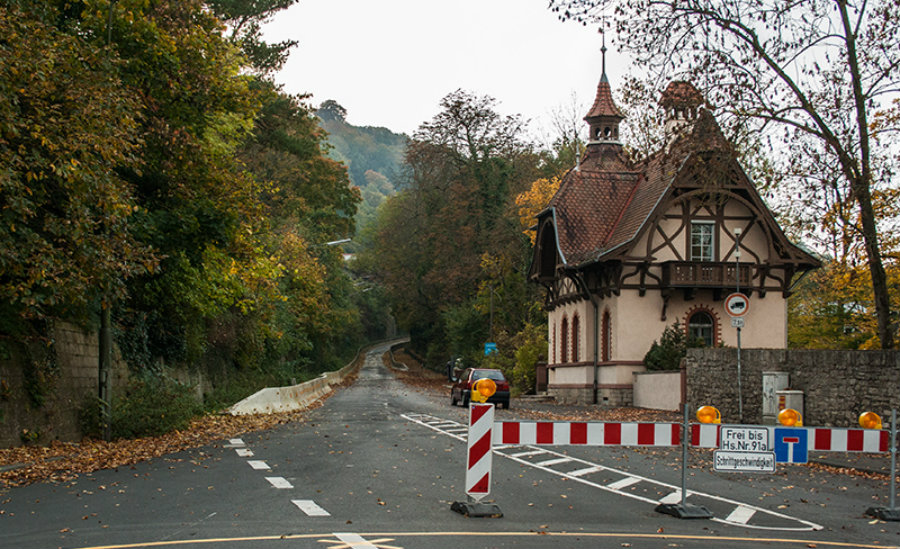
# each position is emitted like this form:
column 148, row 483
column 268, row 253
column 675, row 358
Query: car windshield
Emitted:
column 496, row 375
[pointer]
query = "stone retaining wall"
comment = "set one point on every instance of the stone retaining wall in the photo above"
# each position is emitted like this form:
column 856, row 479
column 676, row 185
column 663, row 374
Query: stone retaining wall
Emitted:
column 68, row 368
column 837, row 385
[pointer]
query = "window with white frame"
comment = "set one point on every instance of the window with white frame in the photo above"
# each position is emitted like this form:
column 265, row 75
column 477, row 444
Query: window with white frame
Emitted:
column 702, row 241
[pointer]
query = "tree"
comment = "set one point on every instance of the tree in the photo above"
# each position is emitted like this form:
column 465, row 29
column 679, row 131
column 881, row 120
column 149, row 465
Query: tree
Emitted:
column 464, row 169
column 812, row 75
column 67, row 126
column 245, row 19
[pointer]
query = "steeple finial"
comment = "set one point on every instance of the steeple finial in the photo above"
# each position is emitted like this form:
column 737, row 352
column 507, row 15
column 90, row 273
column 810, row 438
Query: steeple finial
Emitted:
column 603, row 77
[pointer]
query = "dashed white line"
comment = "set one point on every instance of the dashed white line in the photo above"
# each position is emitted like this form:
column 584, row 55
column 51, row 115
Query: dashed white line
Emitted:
column 280, row 482
column 235, row 443
column 244, row 452
column 309, row 507
column 258, row 464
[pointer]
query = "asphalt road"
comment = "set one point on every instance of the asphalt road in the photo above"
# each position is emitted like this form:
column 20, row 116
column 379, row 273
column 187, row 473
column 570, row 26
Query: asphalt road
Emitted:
column 380, row 464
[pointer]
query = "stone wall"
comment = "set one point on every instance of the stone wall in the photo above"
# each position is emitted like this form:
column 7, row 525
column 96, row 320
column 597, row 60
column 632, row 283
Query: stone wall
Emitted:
column 837, row 385
column 61, row 374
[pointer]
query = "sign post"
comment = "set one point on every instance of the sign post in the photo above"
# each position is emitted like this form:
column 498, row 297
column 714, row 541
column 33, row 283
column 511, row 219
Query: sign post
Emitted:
column 737, row 305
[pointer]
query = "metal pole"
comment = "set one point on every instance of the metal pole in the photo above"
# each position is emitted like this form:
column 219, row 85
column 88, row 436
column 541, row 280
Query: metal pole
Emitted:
column 893, row 457
column 737, row 282
column 684, row 456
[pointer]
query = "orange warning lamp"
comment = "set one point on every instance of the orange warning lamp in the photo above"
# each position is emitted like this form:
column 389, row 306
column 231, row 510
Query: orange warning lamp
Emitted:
column 869, row 420
column 709, row 414
column 484, row 389
column 790, row 418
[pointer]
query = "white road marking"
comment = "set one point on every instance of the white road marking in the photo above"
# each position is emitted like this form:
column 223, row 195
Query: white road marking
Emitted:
column 674, row 497
column 234, row 443
column 585, row 471
column 244, row 452
column 354, row 540
column 427, row 421
column 623, row 483
column 258, row 464
column 309, row 507
column 528, row 453
column 550, row 462
column 741, row 515
column 280, row 482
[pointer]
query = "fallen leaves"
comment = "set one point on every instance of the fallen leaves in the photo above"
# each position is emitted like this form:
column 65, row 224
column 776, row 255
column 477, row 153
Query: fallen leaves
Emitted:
column 62, row 461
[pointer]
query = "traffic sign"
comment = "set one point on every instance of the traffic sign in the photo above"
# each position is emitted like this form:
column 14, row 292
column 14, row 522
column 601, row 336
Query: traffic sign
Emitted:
column 737, row 304
column 791, row 445
column 744, row 449
column 744, row 439
column 743, row 462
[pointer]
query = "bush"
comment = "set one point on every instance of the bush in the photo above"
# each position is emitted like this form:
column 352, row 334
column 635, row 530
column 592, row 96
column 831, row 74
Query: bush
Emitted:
column 672, row 347
column 153, row 405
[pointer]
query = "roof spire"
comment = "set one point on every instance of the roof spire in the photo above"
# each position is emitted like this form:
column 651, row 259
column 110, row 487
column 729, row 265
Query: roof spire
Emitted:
column 604, row 117
column 603, row 77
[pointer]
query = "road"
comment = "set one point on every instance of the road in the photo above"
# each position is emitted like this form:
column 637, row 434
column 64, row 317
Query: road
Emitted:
column 380, row 464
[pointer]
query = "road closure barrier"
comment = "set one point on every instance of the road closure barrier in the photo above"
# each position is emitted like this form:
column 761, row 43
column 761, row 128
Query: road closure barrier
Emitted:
column 745, row 448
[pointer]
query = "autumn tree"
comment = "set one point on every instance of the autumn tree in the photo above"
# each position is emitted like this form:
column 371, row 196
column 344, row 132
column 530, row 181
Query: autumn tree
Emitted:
column 465, row 167
column 68, row 127
column 812, row 76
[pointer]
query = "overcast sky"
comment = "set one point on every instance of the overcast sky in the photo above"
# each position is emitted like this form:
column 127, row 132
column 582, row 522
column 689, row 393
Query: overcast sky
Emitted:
column 390, row 62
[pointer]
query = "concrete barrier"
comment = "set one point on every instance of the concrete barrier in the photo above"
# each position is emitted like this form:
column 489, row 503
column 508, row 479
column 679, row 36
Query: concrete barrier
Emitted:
column 295, row 397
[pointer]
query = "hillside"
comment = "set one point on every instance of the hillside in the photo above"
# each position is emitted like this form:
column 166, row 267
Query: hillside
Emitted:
column 374, row 156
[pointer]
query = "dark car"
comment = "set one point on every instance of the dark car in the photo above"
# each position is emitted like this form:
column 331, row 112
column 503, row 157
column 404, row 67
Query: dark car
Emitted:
column 462, row 386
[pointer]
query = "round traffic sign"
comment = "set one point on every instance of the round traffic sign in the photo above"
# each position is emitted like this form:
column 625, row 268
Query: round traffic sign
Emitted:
column 737, row 304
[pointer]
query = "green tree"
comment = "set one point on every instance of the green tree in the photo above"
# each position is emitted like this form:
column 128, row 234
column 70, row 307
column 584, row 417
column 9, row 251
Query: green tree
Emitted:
column 812, row 76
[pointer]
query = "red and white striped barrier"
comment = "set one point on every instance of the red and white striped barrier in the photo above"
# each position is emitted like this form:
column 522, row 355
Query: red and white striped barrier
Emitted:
column 821, row 439
column 703, row 435
column 587, row 433
column 478, row 466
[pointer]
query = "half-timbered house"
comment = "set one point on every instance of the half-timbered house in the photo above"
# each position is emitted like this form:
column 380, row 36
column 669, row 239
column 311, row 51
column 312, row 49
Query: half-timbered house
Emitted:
column 626, row 249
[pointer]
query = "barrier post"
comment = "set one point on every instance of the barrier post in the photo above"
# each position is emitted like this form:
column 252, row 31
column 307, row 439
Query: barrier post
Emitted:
column 890, row 513
column 684, row 509
column 479, row 463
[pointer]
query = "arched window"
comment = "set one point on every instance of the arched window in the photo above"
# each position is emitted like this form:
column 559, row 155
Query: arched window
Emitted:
column 575, row 331
column 564, row 341
column 702, row 326
column 606, row 337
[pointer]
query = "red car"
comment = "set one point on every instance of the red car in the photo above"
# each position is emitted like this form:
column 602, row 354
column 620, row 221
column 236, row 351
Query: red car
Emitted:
column 462, row 386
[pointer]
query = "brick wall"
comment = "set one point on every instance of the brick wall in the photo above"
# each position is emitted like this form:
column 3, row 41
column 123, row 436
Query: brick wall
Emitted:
column 837, row 385
column 72, row 379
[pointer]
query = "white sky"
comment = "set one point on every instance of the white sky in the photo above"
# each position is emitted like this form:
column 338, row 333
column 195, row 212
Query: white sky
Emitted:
column 390, row 62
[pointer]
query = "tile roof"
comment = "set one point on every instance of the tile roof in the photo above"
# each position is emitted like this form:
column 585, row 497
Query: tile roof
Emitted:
column 605, row 203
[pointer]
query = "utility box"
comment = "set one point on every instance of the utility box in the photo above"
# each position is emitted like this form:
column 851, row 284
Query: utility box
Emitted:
column 789, row 398
column 772, row 382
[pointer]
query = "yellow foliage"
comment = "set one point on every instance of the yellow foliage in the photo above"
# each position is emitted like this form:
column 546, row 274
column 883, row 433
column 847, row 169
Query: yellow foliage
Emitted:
column 533, row 201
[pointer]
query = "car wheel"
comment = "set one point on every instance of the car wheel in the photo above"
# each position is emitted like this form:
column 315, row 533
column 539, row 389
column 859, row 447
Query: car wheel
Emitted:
column 465, row 401
column 452, row 399
column 506, row 405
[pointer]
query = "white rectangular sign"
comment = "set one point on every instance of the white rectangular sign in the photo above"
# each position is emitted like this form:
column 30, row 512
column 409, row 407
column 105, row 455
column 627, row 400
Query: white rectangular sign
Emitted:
column 744, row 439
column 744, row 462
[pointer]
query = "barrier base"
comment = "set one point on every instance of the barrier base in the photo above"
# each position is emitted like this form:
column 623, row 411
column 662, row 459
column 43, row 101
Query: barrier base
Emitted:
column 473, row 509
column 884, row 513
column 686, row 511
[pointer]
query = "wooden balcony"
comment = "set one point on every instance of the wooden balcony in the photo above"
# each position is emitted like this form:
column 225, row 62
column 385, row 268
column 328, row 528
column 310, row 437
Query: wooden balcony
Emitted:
column 697, row 274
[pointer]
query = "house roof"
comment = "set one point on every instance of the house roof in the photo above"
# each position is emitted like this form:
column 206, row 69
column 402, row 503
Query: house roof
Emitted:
column 606, row 202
